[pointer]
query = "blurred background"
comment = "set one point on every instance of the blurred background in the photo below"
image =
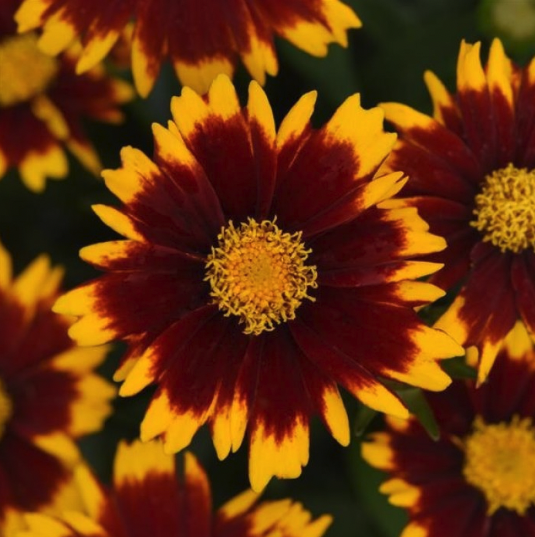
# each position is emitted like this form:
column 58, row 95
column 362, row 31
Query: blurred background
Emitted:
column 385, row 61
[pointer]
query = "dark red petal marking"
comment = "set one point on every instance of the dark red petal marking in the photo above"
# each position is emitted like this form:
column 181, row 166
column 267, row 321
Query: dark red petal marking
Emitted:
column 197, row 364
column 22, row 133
column 448, row 219
column 153, row 26
column 463, row 515
column 28, row 341
column 337, row 365
column 510, row 390
column 211, row 30
column 265, row 164
column 281, row 398
column 504, row 122
column 283, row 14
column 322, row 175
column 223, row 149
column 140, row 302
column 447, row 150
column 33, row 475
column 196, row 507
column 347, row 255
column 43, row 401
column 480, row 129
column 82, row 14
column 432, row 174
column 347, row 322
column 489, row 311
column 151, row 506
column 144, row 257
column 7, row 23
column 525, row 122
column 523, row 280
column 193, row 193
column 454, row 409
column 164, row 215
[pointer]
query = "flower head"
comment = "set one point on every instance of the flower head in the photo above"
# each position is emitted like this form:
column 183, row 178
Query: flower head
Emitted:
column 49, row 394
column 202, row 38
column 43, row 102
column 147, row 498
column 479, row 478
column 257, row 274
column 472, row 177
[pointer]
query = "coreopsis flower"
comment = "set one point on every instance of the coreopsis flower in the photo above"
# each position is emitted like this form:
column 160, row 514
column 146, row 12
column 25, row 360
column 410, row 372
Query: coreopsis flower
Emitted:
column 147, row 498
column 472, row 177
column 43, row 102
column 258, row 273
column 478, row 479
column 49, row 393
column 201, row 38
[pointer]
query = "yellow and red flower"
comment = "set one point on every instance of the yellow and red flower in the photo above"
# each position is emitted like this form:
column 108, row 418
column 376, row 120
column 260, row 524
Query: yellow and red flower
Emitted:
column 478, row 479
column 49, row 395
column 147, row 498
column 258, row 273
column 202, row 38
column 43, row 102
column 472, row 178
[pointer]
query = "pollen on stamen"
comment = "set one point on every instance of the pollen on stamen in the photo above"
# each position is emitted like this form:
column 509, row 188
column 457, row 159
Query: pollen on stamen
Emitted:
column 505, row 209
column 500, row 462
column 258, row 273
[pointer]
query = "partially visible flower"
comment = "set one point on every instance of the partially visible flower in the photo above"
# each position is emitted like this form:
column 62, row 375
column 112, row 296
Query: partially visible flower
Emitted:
column 49, row 394
column 202, row 38
column 258, row 274
column 43, row 102
column 478, row 479
column 472, row 177
column 147, row 498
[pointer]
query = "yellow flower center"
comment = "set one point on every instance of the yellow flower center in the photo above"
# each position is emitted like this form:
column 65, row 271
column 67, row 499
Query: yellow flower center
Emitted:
column 500, row 462
column 258, row 273
column 25, row 71
column 505, row 209
column 6, row 408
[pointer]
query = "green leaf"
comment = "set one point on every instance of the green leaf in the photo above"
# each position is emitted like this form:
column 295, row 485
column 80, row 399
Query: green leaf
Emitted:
column 417, row 404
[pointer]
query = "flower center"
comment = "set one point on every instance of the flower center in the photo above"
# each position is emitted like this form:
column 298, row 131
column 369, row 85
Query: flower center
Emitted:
column 505, row 209
column 500, row 462
column 25, row 71
column 6, row 408
column 258, row 273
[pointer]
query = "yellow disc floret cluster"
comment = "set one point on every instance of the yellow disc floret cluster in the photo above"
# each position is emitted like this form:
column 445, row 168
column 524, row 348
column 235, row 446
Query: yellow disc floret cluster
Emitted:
column 505, row 209
column 25, row 71
column 500, row 462
column 6, row 408
column 258, row 273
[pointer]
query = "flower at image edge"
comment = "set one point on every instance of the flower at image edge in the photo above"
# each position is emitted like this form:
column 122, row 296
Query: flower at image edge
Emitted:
column 478, row 479
column 43, row 103
column 49, row 393
column 472, row 178
column 257, row 274
column 147, row 493
column 199, row 46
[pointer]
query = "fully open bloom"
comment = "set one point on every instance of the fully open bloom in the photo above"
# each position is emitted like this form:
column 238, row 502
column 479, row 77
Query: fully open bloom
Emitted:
column 258, row 273
column 147, row 498
column 472, row 177
column 478, row 479
column 42, row 103
column 202, row 38
column 49, row 395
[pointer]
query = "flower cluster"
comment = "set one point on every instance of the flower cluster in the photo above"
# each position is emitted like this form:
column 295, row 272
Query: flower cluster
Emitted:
column 264, row 271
